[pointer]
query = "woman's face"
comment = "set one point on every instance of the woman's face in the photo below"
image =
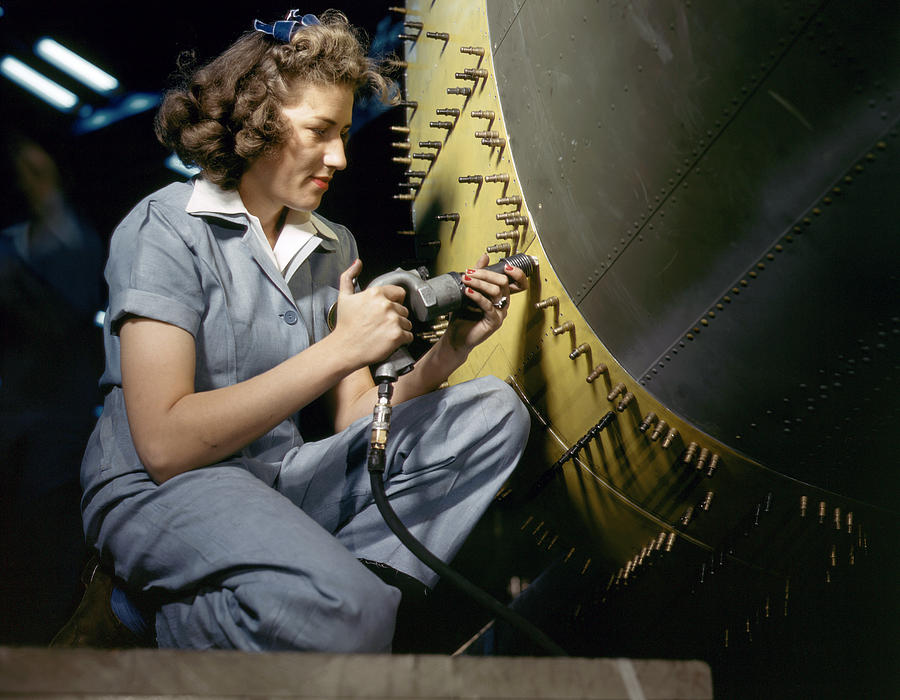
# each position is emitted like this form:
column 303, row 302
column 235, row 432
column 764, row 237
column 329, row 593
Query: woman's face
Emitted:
column 298, row 174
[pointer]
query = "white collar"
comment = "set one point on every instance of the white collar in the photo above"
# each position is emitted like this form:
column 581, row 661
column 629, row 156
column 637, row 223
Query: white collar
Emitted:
column 297, row 235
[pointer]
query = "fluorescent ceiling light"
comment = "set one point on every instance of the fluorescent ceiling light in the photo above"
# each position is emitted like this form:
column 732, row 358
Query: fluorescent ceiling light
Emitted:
column 73, row 64
column 38, row 84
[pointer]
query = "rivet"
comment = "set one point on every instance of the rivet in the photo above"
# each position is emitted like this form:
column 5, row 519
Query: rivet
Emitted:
column 690, row 452
column 596, row 372
column 616, row 391
column 567, row 327
column 627, row 399
column 579, row 351
column 648, row 420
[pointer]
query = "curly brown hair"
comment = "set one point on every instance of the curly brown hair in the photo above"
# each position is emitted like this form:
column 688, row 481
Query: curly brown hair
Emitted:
column 227, row 113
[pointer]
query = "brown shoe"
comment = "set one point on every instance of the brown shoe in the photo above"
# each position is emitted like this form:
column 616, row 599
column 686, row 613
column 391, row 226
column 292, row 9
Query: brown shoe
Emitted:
column 94, row 624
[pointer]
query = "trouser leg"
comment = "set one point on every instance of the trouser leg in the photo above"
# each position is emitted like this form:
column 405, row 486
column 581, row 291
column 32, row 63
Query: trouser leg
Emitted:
column 448, row 454
column 241, row 567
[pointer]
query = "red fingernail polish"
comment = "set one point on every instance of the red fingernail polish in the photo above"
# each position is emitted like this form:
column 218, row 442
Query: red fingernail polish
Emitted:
column 469, row 290
column 470, row 270
column 509, row 267
column 467, row 278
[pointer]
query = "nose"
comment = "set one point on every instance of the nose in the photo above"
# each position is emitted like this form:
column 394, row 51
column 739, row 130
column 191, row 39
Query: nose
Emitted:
column 335, row 157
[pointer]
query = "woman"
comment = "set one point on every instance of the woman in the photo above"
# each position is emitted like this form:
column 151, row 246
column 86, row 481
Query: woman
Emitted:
column 198, row 486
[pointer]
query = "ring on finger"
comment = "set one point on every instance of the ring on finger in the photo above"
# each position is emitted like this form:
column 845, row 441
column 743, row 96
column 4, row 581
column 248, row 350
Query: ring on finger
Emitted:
column 502, row 302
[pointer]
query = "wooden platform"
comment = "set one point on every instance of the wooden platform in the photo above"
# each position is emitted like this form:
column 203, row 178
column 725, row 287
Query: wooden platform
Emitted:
column 82, row 673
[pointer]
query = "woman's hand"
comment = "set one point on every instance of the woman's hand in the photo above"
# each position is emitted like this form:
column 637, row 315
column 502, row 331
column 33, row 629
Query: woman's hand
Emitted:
column 371, row 324
column 490, row 292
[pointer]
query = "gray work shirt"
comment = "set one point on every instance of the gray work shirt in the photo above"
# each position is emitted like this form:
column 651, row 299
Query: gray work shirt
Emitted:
column 210, row 275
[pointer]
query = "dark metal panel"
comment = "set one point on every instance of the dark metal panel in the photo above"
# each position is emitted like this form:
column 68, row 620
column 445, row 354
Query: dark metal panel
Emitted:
column 793, row 137
column 608, row 104
column 666, row 149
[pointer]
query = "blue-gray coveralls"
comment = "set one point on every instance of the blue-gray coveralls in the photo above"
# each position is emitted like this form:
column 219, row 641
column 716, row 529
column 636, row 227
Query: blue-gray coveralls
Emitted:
column 260, row 550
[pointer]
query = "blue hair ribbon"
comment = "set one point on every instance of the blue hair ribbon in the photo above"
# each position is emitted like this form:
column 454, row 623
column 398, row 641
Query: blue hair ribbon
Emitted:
column 284, row 29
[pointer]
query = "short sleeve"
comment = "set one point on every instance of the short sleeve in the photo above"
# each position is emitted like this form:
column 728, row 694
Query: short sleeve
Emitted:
column 153, row 271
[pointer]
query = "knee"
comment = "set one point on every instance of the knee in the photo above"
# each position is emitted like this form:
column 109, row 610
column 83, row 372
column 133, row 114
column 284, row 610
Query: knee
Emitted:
column 355, row 616
column 505, row 410
column 278, row 611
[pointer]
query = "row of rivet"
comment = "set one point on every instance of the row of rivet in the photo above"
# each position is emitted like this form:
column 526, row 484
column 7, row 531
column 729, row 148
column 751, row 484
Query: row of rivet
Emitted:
column 798, row 228
column 581, row 444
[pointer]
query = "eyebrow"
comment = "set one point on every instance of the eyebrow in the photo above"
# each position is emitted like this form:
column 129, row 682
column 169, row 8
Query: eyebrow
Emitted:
column 332, row 122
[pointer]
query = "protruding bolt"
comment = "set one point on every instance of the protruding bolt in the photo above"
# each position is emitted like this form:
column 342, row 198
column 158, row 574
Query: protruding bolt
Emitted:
column 499, row 248
column 579, row 351
column 669, row 438
column 488, row 134
column 406, row 233
column 402, row 145
column 415, row 173
column 707, row 501
column 804, row 505
column 441, row 125
column 407, row 37
column 447, row 217
column 617, row 390
column 497, row 177
column 701, row 460
column 447, row 112
column 430, row 144
column 515, row 220
column 670, row 542
column 625, row 402
column 713, row 465
column 412, row 24
column 821, row 512
column 567, row 327
column 658, row 430
column 596, row 372
column 405, row 197
column 548, row 302
column 837, row 518
column 507, row 235
column 412, row 104
column 459, row 91
column 482, row 113
column 440, row 36
column 476, row 72
column 690, row 452
column 473, row 179
column 402, row 160
column 648, row 420
column 424, row 156
column 512, row 201
column 493, row 143
column 398, row 10
column 472, row 50
column 465, row 76
column 410, row 185
column 400, row 129
column 688, row 516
